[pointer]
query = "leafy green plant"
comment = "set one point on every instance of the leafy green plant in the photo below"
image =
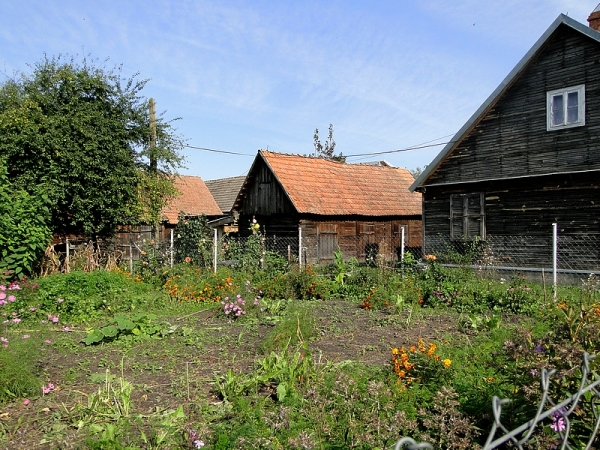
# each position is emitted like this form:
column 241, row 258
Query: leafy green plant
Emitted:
column 194, row 243
column 137, row 325
column 24, row 230
column 80, row 296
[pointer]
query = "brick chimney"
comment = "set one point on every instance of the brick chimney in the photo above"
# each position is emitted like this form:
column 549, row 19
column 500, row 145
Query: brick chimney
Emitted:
column 594, row 19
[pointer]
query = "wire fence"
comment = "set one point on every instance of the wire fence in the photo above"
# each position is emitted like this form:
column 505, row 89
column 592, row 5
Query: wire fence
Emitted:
column 561, row 258
column 554, row 257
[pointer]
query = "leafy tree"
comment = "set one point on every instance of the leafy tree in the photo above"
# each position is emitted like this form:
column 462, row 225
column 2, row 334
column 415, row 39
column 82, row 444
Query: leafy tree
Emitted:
column 86, row 129
column 327, row 151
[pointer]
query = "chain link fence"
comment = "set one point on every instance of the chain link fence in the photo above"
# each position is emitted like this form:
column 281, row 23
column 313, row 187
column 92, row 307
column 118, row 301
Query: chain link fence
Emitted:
column 562, row 258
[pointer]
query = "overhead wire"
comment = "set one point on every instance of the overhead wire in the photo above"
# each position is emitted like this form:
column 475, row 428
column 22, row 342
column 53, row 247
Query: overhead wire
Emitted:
column 407, row 149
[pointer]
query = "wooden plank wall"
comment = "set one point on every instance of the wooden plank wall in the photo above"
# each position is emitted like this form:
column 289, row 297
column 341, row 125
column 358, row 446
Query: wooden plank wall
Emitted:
column 520, row 209
column 512, row 139
column 358, row 239
column 264, row 196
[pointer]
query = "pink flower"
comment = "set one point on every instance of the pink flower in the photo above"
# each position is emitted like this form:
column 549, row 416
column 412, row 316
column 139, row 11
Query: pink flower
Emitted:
column 2, row 295
column 11, row 298
column 32, row 309
column 67, row 329
column 3, row 339
column 14, row 313
column 47, row 341
column 60, row 300
column 26, row 402
column 16, row 320
column 55, row 319
column 45, row 390
column 26, row 336
column 2, row 288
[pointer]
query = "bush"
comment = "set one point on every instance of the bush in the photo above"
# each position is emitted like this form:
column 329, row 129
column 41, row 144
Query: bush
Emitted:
column 24, row 230
column 187, row 283
column 81, row 297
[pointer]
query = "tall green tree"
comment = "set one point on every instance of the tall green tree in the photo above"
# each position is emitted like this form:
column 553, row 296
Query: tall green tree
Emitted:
column 83, row 131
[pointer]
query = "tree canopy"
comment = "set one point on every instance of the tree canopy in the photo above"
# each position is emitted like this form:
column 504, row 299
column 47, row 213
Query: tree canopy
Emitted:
column 83, row 132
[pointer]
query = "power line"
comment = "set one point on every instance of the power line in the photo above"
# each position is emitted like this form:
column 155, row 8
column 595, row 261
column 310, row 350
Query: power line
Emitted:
column 217, row 151
column 407, row 149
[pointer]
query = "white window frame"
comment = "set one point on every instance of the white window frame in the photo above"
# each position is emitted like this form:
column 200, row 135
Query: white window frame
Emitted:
column 580, row 89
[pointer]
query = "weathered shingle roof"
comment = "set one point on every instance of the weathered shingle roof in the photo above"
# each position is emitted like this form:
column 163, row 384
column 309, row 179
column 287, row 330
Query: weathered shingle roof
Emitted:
column 320, row 186
column 195, row 199
column 225, row 191
column 495, row 96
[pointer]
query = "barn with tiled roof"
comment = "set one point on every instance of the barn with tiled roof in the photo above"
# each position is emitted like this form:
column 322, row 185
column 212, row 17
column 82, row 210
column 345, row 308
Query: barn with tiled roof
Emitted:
column 357, row 208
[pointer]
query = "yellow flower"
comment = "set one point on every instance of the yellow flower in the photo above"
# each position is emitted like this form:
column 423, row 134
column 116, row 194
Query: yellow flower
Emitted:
column 394, row 351
column 447, row 362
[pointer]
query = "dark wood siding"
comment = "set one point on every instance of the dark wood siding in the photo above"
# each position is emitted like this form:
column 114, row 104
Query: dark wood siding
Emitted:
column 511, row 140
column 264, row 196
column 525, row 207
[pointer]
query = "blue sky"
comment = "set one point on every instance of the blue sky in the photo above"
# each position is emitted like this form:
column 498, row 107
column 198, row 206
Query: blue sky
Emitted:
column 249, row 75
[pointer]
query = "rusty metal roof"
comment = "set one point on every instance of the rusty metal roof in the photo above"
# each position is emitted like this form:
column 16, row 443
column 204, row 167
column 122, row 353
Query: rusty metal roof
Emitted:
column 320, row 186
column 195, row 199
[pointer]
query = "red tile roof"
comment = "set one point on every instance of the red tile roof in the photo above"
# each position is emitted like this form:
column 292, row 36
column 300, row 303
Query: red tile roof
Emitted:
column 320, row 186
column 195, row 199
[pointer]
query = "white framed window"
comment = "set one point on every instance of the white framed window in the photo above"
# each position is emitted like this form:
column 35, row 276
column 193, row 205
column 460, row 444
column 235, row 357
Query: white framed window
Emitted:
column 566, row 107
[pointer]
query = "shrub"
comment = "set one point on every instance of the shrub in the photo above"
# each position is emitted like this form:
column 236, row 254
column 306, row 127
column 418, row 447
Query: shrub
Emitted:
column 80, row 296
column 186, row 283
column 24, row 230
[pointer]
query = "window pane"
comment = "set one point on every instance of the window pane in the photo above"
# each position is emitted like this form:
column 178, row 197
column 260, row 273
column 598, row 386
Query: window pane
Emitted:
column 558, row 113
column 572, row 107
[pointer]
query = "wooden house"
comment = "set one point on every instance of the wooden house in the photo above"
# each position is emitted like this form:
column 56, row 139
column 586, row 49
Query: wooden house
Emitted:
column 194, row 200
column 360, row 209
column 528, row 157
column 225, row 191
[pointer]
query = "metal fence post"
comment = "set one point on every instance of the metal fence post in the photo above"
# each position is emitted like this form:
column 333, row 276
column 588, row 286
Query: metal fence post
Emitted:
column 402, row 246
column 300, row 245
column 172, row 247
column 68, row 258
column 131, row 259
column 554, row 255
column 215, row 251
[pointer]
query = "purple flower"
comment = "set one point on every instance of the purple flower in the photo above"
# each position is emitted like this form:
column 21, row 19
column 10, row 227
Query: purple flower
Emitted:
column 558, row 420
column 539, row 348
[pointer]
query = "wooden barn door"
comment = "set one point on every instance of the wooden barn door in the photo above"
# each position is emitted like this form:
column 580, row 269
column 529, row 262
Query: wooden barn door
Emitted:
column 327, row 241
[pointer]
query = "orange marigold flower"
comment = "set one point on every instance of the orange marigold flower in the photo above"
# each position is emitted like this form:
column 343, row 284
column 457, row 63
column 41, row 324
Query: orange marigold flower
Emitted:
column 413, row 349
column 188, row 259
column 394, row 351
column 430, row 257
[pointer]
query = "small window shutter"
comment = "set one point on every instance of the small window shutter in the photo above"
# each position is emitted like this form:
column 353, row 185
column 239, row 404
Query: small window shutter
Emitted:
column 456, row 216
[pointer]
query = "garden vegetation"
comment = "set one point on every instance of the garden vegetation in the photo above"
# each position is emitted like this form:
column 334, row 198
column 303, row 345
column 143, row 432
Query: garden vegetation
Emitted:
column 275, row 356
